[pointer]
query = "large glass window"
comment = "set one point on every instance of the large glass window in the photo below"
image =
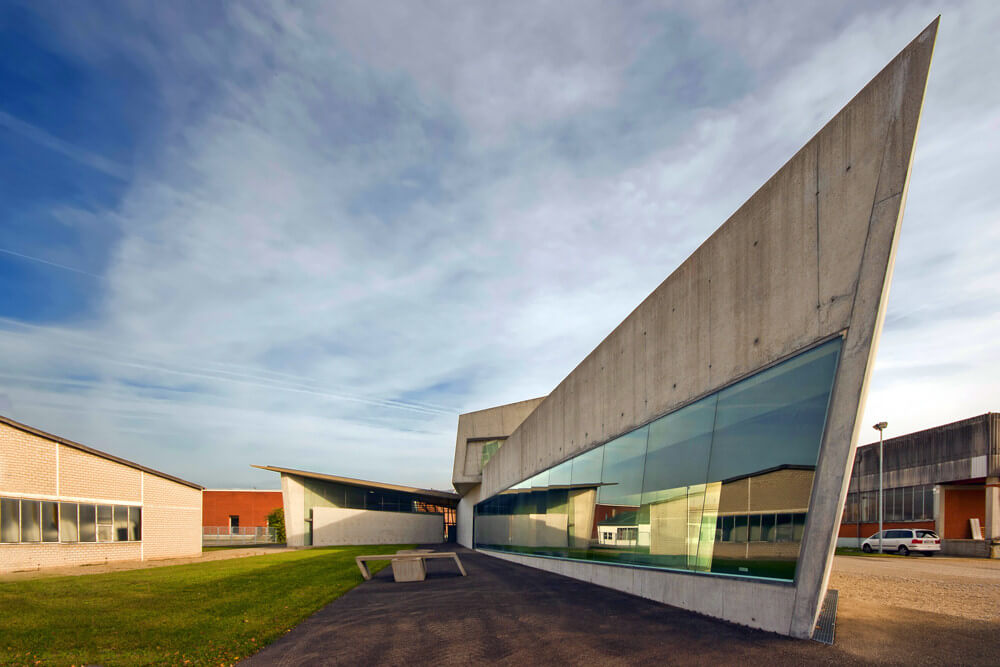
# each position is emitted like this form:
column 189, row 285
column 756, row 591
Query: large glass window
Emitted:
column 69, row 527
column 50, row 521
column 721, row 485
column 31, row 521
column 134, row 524
column 121, row 524
column 23, row 520
column 10, row 520
column 105, row 523
column 88, row 523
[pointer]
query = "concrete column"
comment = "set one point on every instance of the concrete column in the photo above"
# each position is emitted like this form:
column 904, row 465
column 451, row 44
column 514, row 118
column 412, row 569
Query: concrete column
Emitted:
column 464, row 518
column 991, row 531
column 293, row 502
column 939, row 510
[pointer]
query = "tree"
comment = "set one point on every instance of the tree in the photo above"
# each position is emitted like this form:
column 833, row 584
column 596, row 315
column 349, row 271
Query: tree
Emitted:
column 276, row 520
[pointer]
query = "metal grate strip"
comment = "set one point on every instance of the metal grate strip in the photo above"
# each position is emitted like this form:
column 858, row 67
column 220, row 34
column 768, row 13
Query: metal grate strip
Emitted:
column 826, row 624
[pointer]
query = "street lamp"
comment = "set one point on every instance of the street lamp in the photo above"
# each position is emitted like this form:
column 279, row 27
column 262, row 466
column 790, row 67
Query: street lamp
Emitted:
column 881, row 426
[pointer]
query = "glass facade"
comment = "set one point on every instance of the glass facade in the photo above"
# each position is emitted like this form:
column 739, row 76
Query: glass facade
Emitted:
column 322, row 493
column 490, row 448
column 908, row 503
column 719, row 486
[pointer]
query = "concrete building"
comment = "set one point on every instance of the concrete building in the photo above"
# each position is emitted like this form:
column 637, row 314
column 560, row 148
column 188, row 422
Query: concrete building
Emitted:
column 725, row 408
column 325, row 510
column 943, row 479
column 63, row 503
column 231, row 516
column 480, row 435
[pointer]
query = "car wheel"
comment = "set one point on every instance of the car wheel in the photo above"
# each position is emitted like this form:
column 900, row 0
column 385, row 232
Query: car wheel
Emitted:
column 867, row 548
column 903, row 551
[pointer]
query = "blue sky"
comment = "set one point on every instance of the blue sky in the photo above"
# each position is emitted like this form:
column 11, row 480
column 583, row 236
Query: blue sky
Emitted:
column 310, row 235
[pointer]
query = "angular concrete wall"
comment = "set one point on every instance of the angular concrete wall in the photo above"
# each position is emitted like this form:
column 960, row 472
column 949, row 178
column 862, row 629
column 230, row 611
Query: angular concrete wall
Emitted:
column 463, row 515
column 293, row 500
column 338, row 525
column 481, row 425
column 806, row 258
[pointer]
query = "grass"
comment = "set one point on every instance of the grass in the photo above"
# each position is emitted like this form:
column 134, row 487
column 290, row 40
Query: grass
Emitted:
column 199, row 614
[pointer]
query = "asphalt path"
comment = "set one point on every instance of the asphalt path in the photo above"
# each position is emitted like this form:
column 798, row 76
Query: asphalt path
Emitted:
column 508, row 614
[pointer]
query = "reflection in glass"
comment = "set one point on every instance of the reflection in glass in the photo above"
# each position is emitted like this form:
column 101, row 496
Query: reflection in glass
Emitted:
column 105, row 523
column 31, row 521
column 50, row 521
column 10, row 520
column 121, row 524
column 88, row 523
column 680, row 508
column 68, row 526
column 586, row 480
column 134, row 523
column 721, row 485
column 617, row 533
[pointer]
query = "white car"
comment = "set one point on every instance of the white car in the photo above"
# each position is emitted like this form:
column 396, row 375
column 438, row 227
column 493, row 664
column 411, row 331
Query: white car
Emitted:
column 903, row 541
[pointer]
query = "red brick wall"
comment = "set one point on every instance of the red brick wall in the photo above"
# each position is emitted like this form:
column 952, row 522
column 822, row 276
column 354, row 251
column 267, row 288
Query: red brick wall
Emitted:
column 960, row 505
column 251, row 506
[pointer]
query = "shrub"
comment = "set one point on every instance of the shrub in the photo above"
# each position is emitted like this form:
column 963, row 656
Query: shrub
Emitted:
column 276, row 520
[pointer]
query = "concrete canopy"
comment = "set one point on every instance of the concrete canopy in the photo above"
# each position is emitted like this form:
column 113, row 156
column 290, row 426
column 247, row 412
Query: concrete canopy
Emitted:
column 807, row 258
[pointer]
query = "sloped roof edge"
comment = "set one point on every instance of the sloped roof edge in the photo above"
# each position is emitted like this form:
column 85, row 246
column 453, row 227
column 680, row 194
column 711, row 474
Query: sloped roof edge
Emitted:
column 96, row 452
column 362, row 482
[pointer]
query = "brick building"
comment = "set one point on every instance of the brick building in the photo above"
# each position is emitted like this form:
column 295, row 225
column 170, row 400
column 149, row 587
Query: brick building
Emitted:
column 233, row 515
column 63, row 503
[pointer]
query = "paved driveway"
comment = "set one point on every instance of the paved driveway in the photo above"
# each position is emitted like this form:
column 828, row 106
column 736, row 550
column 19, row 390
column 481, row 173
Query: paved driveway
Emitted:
column 509, row 614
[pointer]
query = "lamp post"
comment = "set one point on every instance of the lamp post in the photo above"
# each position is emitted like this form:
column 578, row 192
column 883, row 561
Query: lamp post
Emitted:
column 880, row 427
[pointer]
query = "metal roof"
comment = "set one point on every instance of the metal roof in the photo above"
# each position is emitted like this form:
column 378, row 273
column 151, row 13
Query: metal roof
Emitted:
column 96, row 452
column 429, row 493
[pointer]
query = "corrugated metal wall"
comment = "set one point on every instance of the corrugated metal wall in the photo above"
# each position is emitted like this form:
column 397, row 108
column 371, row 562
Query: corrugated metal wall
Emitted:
column 940, row 454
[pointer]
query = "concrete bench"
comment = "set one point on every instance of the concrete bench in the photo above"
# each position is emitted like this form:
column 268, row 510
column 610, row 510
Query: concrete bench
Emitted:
column 407, row 565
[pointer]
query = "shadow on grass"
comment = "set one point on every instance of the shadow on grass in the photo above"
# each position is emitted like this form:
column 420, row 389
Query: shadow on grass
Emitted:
column 200, row 613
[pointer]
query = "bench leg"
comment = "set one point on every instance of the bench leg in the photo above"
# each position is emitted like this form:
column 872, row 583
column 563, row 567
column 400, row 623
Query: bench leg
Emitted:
column 459, row 564
column 364, row 569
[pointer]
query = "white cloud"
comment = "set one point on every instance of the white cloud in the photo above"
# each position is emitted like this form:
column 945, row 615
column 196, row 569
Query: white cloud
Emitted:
column 358, row 228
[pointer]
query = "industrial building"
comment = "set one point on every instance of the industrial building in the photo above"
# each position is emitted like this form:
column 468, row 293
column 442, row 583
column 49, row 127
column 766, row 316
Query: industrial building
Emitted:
column 63, row 503
column 700, row 455
column 326, row 510
column 945, row 479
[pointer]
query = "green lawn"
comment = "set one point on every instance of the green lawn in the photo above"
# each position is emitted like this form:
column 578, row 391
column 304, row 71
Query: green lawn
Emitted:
column 200, row 614
column 234, row 546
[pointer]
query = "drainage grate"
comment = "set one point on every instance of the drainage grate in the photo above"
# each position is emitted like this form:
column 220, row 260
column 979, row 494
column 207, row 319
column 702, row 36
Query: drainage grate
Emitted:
column 826, row 625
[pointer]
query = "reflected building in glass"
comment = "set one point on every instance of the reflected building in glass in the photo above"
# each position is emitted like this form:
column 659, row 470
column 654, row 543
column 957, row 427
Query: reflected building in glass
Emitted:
column 699, row 455
column 719, row 486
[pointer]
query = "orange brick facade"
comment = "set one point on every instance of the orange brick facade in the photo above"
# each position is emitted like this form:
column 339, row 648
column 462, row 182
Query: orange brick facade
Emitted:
column 960, row 505
column 251, row 506
column 34, row 467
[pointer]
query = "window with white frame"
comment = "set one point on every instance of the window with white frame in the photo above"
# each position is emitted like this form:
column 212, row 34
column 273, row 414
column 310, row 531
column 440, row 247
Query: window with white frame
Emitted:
column 23, row 520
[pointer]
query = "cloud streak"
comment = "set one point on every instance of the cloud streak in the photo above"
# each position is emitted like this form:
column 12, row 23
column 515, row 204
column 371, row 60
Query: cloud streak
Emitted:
column 350, row 230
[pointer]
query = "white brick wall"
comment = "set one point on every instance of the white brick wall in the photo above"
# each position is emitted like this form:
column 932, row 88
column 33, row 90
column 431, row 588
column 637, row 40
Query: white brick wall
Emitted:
column 171, row 514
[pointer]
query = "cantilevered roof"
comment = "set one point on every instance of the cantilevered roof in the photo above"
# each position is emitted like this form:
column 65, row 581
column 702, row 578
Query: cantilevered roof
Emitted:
column 427, row 493
column 96, row 452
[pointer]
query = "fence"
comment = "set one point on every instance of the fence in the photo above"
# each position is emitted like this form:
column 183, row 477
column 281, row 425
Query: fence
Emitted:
column 216, row 536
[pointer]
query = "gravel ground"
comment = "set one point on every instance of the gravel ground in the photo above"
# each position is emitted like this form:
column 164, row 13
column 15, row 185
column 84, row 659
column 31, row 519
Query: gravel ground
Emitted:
column 964, row 587
column 918, row 610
